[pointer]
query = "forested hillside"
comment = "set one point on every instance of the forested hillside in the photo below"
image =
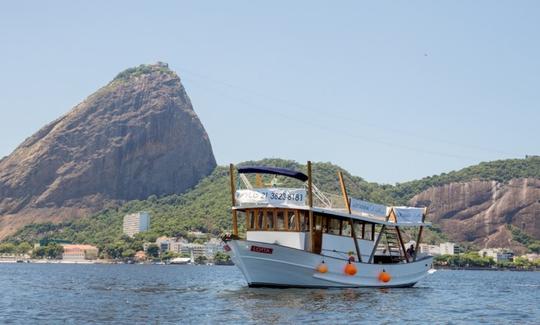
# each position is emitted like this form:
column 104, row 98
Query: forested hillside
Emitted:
column 206, row 206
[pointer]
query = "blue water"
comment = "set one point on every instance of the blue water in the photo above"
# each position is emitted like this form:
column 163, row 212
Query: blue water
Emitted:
column 162, row 294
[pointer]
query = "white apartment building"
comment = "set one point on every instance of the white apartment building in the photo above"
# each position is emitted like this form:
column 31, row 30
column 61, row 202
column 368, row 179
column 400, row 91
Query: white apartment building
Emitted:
column 497, row 254
column 135, row 223
column 436, row 250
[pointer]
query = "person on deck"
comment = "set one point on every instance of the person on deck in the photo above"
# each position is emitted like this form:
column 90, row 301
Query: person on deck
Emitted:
column 411, row 252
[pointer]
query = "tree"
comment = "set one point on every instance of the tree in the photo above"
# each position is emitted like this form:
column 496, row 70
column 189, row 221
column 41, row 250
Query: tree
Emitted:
column 7, row 248
column 152, row 250
column 222, row 259
column 169, row 255
column 54, row 251
column 128, row 253
column 23, row 248
column 201, row 259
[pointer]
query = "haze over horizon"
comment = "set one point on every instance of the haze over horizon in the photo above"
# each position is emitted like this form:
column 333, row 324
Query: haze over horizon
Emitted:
column 390, row 92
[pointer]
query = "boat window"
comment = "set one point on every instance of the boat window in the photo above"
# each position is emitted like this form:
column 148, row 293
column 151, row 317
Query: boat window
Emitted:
column 333, row 226
column 304, row 220
column 318, row 222
column 280, row 223
column 250, row 219
column 346, row 228
column 291, row 218
column 358, row 225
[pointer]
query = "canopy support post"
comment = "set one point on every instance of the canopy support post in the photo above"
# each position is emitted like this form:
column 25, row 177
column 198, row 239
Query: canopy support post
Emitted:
column 376, row 243
column 310, row 202
column 419, row 236
column 233, row 192
column 348, row 205
column 401, row 244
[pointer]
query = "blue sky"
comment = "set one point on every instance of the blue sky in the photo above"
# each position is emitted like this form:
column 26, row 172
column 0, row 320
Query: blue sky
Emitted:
column 389, row 90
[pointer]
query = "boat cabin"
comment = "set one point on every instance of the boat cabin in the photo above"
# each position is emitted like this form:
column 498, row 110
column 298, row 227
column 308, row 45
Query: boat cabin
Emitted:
column 308, row 219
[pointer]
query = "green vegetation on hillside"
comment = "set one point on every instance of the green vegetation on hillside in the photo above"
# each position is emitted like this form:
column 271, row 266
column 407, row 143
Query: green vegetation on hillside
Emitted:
column 206, row 207
column 142, row 69
column 499, row 170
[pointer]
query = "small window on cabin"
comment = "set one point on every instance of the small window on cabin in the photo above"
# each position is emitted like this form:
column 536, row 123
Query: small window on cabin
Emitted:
column 280, row 222
column 333, row 226
column 304, row 220
column 368, row 231
column 291, row 217
column 269, row 219
column 358, row 229
column 346, row 228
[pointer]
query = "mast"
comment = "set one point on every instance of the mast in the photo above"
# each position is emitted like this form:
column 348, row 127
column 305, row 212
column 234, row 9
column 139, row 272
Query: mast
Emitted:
column 348, row 205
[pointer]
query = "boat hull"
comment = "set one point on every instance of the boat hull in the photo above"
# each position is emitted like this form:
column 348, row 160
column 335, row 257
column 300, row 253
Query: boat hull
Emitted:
column 272, row 265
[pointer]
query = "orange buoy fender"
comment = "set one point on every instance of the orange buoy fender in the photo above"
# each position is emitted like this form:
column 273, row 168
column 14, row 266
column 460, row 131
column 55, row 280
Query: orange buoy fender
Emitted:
column 350, row 269
column 384, row 276
column 322, row 268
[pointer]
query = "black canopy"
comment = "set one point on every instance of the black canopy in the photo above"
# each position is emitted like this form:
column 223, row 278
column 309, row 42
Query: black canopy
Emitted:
column 274, row 171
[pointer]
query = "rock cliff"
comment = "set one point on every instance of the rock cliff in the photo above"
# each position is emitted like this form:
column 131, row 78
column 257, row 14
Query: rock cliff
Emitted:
column 138, row 136
column 479, row 211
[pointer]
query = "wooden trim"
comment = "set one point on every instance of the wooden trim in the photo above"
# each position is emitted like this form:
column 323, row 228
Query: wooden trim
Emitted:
column 256, row 219
column 402, row 244
column 297, row 213
column 233, row 199
column 274, row 216
column 376, row 242
column 286, row 219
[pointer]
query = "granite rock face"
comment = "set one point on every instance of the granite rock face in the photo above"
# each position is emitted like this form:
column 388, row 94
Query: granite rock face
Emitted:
column 138, row 136
column 479, row 211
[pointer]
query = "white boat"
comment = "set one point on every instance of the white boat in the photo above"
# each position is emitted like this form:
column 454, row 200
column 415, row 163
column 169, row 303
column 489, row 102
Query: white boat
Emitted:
column 302, row 237
column 180, row 260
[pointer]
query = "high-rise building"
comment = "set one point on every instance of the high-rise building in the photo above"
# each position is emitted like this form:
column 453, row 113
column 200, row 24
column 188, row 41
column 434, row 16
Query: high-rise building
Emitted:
column 136, row 222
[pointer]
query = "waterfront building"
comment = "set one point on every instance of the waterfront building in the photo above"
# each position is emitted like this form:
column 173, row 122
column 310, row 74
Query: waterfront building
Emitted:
column 164, row 244
column 531, row 257
column 436, row 250
column 497, row 254
column 212, row 247
column 79, row 252
column 140, row 256
column 135, row 223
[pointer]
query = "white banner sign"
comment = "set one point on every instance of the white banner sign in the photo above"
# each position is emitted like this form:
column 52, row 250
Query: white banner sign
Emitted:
column 368, row 207
column 409, row 215
column 272, row 196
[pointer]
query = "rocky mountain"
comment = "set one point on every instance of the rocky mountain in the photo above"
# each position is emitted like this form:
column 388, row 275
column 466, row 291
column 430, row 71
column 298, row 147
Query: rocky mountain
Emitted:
column 138, row 136
column 481, row 211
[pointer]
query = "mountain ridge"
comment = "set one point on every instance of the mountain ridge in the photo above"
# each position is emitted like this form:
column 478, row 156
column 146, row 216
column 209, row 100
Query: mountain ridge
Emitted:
column 132, row 138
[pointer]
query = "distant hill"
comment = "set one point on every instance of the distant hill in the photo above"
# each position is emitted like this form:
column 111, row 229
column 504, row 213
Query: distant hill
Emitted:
column 503, row 193
column 133, row 138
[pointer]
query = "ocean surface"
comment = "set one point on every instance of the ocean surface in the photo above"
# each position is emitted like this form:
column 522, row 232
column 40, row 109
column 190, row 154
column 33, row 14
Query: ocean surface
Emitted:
column 166, row 294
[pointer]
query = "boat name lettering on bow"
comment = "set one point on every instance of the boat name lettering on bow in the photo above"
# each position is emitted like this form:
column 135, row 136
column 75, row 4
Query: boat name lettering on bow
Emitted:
column 264, row 250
